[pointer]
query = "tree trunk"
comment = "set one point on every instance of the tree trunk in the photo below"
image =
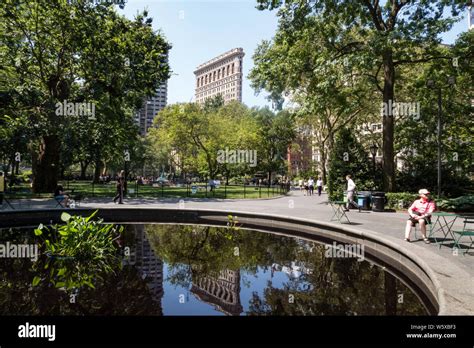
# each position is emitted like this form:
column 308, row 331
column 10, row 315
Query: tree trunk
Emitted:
column 323, row 164
column 45, row 163
column 84, row 166
column 98, row 167
column 388, row 122
column 11, row 164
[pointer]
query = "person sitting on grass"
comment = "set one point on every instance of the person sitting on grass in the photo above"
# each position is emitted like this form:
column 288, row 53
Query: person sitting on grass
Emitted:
column 60, row 195
column 420, row 212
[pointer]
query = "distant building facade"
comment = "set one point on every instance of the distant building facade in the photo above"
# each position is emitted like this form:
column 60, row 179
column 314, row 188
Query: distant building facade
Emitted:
column 145, row 116
column 221, row 75
column 470, row 17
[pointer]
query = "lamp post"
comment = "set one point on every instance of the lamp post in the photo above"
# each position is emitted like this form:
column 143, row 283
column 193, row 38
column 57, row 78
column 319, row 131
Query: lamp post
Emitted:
column 432, row 84
column 373, row 151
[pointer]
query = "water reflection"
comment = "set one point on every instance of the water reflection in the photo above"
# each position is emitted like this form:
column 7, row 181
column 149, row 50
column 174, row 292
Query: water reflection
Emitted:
column 150, row 267
column 272, row 275
column 221, row 290
column 202, row 270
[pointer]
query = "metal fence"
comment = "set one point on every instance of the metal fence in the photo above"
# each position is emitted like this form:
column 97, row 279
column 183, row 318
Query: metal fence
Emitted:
column 135, row 190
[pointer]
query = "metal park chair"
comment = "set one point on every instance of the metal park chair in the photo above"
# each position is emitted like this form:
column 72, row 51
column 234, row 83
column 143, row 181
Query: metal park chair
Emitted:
column 467, row 231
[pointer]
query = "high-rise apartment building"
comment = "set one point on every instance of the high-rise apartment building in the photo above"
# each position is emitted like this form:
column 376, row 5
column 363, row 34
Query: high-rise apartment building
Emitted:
column 144, row 117
column 221, row 75
column 470, row 17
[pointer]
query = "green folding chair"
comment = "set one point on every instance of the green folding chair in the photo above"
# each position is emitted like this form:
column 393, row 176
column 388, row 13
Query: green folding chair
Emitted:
column 467, row 231
column 338, row 211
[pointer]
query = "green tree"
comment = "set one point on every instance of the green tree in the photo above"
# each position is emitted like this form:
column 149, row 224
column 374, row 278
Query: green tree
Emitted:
column 90, row 53
column 194, row 136
column 275, row 134
column 348, row 157
column 386, row 35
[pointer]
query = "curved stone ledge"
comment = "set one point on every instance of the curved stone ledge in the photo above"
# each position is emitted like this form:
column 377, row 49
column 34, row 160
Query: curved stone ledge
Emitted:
column 403, row 263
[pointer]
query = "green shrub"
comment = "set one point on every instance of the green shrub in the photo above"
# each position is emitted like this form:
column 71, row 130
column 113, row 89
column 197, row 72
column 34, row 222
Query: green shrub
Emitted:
column 461, row 204
column 400, row 200
column 78, row 252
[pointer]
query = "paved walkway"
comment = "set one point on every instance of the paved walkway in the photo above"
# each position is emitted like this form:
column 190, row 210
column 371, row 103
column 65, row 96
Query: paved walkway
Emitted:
column 455, row 271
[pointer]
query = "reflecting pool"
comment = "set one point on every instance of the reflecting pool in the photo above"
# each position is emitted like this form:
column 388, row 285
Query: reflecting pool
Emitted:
column 200, row 270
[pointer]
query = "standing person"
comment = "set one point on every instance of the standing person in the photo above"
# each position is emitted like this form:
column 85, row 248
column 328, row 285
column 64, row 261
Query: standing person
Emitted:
column 300, row 182
column 306, row 187
column 420, row 212
column 311, row 186
column 319, row 185
column 351, row 187
column 120, row 187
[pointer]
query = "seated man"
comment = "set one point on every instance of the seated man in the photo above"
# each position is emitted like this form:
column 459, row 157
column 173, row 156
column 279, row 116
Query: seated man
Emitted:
column 61, row 196
column 420, row 212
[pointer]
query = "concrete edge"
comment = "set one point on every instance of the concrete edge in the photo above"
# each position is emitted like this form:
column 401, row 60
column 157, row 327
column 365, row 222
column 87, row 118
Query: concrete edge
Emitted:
column 29, row 217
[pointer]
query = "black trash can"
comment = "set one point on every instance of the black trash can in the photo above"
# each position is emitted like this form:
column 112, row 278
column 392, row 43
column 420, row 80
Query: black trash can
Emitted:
column 378, row 201
column 363, row 199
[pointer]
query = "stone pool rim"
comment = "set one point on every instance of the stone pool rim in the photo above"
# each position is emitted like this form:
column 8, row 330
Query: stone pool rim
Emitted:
column 385, row 248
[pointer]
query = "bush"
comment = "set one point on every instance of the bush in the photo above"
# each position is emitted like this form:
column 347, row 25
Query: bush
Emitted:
column 400, row 200
column 78, row 252
column 461, row 204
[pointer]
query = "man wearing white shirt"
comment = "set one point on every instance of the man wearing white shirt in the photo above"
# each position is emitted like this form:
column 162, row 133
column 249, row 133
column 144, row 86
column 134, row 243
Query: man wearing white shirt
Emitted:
column 351, row 186
column 319, row 185
column 311, row 186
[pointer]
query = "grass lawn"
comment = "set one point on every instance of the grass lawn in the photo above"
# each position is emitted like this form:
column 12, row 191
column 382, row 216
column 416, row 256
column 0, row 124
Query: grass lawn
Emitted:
column 87, row 189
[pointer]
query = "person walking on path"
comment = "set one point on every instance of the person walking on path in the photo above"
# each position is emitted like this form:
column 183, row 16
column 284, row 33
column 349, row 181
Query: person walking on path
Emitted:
column 351, row 187
column 311, row 186
column 420, row 212
column 120, row 187
column 319, row 185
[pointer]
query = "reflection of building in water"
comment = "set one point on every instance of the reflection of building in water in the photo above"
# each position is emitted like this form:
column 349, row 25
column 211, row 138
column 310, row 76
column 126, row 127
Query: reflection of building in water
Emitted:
column 222, row 291
column 148, row 265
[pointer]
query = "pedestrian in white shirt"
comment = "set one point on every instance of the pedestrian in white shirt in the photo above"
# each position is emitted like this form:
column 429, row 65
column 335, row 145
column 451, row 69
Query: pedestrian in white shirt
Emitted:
column 311, row 186
column 351, row 186
column 319, row 185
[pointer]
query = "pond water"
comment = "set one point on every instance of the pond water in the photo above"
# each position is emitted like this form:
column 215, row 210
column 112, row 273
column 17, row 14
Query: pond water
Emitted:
column 203, row 270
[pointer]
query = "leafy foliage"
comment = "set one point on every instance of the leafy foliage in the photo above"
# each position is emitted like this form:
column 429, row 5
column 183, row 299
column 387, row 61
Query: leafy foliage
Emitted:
column 348, row 157
column 79, row 251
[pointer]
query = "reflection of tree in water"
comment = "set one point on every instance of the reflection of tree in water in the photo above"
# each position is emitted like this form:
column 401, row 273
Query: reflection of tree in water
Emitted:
column 202, row 250
column 122, row 292
column 338, row 287
column 209, row 260
column 335, row 286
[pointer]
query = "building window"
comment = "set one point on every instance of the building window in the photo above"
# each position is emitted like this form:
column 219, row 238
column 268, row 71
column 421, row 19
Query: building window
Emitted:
column 218, row 74
column 214, row 76
column 232, row 68
column 228, row 68
column 206, row 79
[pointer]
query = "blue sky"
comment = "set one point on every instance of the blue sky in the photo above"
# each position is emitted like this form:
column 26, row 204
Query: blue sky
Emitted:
column 202, row 29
